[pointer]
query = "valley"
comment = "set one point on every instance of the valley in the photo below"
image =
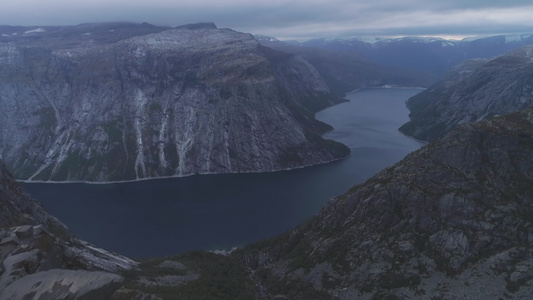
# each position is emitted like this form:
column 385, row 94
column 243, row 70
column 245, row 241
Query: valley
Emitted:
column 204, row 138
column 218, row 212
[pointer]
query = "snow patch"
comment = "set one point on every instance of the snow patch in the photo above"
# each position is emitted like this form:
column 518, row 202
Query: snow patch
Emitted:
column 37, row 30
column 224, row 252
column 473, row 38
column 372, row 40
column 516, row 38
column 139, row 52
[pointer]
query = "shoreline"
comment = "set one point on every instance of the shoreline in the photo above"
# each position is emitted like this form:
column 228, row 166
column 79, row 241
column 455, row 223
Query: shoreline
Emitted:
column 387, row 86
column 245, row 198
column 176, row 176
column 412, row 138
column 246, row 172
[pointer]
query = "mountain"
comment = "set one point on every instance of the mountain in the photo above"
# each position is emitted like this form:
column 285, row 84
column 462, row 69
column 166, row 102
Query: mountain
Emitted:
column 345, row 70
column 448, row 221
column 120, row 101
column 453, row 220
column 352, row 63
column 472, row 91
column 40, row 257
column 433, row 55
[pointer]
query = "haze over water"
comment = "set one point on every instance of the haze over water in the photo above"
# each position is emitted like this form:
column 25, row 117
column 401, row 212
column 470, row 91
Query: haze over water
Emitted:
column 207, row 212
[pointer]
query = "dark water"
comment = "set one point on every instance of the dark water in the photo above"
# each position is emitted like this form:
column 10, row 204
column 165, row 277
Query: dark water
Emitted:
column 169, row 216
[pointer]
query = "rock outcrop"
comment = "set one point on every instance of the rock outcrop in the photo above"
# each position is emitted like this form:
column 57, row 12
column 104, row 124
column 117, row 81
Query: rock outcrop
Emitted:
column 64, row 284
column 173, row 102
column 37, row 253
column 450, row 221
column 17, row 208
column 472, row 91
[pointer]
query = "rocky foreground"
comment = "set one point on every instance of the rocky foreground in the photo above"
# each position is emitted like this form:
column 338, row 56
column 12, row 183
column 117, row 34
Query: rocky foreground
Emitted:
column 41, row 259
column 113, row 102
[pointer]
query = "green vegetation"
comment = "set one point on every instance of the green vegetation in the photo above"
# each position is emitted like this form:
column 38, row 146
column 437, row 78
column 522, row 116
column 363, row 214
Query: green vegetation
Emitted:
column 219, row 277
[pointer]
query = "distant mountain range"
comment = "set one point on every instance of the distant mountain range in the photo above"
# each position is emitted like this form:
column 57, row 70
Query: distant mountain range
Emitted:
column 347, row 64
column 347, row 70
column 424, row 54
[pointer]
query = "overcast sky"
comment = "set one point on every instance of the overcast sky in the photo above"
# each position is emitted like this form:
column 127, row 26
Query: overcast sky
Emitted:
column 287, row 19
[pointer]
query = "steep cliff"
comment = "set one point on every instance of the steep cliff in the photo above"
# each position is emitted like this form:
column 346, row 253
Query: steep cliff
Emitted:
column 181, row 101
column 473, row 91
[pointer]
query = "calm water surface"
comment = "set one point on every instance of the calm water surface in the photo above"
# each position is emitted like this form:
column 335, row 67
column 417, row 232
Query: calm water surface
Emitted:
column 169, row 216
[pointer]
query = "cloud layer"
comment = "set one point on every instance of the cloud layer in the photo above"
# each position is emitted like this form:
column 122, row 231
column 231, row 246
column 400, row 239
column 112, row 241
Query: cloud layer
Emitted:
column 290, row 18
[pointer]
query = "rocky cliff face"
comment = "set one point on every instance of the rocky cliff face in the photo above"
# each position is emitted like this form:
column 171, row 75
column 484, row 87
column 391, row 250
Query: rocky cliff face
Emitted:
column 450, row 221
column 174, row 102
column 473, row 91
column 39, row 257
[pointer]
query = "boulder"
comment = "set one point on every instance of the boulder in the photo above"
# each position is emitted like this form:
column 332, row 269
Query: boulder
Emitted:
column 64, row 284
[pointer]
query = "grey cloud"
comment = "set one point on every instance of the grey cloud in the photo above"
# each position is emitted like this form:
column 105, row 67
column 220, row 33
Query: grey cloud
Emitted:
column 296, row 18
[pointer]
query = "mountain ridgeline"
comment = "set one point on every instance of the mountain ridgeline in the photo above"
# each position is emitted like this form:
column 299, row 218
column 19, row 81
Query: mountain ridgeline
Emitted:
column 472, row 91
column 111, row 102
column 432, row 55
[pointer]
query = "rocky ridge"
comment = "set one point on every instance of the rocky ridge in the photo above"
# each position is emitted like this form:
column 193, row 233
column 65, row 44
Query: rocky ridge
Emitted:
column 173, row 102
column 472, row 91
column 450, row 221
